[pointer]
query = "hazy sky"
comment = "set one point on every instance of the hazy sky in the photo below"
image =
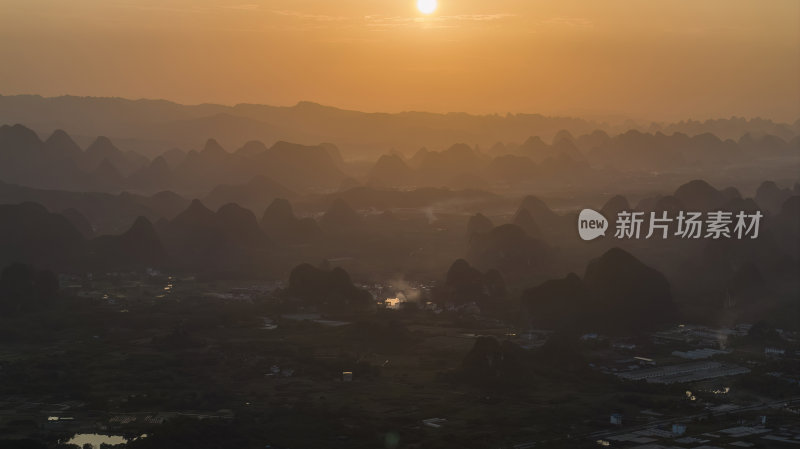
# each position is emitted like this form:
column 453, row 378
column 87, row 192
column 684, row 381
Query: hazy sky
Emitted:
column 659, row 59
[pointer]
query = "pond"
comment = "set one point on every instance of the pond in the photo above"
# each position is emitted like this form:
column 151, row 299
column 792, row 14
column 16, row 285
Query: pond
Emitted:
column 96, row 439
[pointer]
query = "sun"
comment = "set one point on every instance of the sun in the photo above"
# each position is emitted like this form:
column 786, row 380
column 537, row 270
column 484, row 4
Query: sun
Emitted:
column 427, row 6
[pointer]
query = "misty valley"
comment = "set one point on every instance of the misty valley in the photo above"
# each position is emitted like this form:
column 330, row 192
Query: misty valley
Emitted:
column 162, row 290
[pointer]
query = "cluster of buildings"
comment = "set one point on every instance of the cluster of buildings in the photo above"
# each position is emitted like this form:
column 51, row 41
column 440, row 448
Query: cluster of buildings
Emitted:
column 688, row 365
column 757, row 434
column 701, row 336
column 709, row 356
column 764, row 424
column 684, row 372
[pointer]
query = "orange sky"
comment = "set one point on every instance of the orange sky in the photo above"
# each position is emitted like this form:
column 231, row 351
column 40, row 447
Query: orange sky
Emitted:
column 655, row 59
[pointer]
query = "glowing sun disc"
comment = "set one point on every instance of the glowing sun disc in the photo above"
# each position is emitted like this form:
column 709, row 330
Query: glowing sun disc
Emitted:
column 427, row 6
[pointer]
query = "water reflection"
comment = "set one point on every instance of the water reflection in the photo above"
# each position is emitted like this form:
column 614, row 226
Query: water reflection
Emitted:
column 96, row 439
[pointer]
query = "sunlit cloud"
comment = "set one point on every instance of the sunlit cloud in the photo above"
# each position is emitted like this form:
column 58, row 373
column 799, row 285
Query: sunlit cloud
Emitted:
column 162, row 8
column 243, row 7
column 376, row 22
column 480, row 17
column 576, row 22
column 310, row 17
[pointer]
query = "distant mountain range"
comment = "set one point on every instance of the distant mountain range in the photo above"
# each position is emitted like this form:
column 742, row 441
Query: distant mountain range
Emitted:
column 151, row 127
column 54, row 170
column 79, row 232
column 255, row 174
column 253, row 191
column 59, row 163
